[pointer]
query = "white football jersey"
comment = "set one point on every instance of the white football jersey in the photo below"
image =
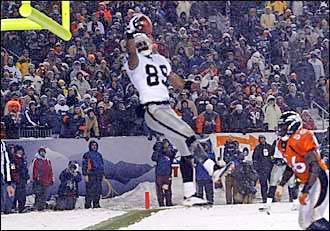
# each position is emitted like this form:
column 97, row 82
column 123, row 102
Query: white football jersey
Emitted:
column 278, row 154
column 150, row 78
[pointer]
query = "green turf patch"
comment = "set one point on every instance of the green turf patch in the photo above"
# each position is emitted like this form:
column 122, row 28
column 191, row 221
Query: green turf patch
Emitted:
column 123, row 221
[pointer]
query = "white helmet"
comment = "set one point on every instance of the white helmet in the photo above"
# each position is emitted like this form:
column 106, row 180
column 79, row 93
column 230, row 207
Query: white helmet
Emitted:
column 288, row 124
column 143, row 43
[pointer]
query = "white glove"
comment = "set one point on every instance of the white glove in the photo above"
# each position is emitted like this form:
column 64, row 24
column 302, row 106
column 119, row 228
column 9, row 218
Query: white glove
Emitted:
column 133, row 24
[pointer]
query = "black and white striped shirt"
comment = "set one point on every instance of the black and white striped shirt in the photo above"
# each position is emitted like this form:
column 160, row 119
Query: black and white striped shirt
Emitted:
column 5, row 163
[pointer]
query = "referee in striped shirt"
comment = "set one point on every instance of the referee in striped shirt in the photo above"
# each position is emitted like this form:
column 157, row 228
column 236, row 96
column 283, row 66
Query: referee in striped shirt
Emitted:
column 7, row 190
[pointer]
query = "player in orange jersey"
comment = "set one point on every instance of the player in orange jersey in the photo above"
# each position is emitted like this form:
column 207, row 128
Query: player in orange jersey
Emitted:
column 301, row 151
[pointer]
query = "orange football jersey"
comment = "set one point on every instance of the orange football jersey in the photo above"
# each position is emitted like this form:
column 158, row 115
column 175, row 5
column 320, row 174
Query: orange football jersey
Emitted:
column 298, row 146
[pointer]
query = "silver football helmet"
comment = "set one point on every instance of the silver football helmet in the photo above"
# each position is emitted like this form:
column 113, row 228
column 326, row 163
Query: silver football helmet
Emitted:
column 143, row 43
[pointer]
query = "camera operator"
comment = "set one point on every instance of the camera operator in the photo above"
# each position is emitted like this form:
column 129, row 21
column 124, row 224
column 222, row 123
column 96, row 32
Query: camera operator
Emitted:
column 231, row 153
column 246, row 178
column 68, row 189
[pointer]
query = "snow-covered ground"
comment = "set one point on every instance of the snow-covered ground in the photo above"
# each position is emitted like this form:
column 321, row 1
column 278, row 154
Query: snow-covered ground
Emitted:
column 50, row 220
column 220, row 216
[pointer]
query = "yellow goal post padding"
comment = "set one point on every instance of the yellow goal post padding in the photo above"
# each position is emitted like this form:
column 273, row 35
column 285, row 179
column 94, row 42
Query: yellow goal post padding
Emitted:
column 36, row 20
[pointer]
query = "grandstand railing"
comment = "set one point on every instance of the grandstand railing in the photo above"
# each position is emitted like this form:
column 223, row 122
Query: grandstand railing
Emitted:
column 36, row 132
column 324, row 114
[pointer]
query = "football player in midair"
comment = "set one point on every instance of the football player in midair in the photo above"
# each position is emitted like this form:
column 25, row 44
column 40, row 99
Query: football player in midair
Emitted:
column 151, row 75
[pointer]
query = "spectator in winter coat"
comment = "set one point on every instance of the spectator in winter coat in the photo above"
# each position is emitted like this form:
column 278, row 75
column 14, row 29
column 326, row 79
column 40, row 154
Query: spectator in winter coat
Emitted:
column 31, row 115
column 191, row 104
column 202, row 101
column 203, row 179
column 187, row 114
column 254, row 113
column 94, row 24
column 239, row 120
column 104, row 14
column 282, row 105
column 267, row 19
column 224, row 115
column 250, row 26
column 272, row 113
column 321, row 96
column 308, row 122
column 277, row 6
column 13, row 102
column 61, row 107
column 76, row 123
column 91, row 124
column 42, row 178
column 258, row 60
column 93, row 172
column 163, row 155
column 52, row 120
column 262, row 163
column 103, row 119
column 294, row 98
column 208, row 122
column 72, row 98
column 13, row 69
column 13, row 123
column 306, row 74
column 20, row 177
column 81, row 83
column 317, row 65
column 68, row 189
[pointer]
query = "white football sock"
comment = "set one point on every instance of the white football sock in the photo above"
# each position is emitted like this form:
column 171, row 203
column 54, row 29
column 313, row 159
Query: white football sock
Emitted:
column 269, row 200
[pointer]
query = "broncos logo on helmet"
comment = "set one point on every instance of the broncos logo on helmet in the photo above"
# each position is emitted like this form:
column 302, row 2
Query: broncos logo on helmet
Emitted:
column 288, row 124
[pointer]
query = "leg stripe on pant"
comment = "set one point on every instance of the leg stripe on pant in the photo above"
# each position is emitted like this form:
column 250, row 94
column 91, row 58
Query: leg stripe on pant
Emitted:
column 324, row 188
column 164, row 125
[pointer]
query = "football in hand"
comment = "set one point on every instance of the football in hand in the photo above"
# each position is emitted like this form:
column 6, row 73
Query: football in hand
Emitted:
column 145, row 24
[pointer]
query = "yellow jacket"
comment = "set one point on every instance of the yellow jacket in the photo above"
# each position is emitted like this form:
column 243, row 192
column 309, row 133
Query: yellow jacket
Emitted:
column 23, row 68
column 91, row 123
column 267, row 21
column 278, row 6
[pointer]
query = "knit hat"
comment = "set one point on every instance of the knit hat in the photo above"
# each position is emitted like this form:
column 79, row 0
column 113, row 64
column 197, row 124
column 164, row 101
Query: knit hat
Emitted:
column 239, row 107
column 259, row 99
column 87, row 96
column 42, row 148
column 209, row 107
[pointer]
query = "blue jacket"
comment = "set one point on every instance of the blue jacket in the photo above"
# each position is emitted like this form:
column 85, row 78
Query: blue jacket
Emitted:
column 201, row 173
column 92, row 164
column 164, row 160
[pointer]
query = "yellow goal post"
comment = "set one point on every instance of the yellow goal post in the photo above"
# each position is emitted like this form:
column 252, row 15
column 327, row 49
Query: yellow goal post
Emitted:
column 36, row 20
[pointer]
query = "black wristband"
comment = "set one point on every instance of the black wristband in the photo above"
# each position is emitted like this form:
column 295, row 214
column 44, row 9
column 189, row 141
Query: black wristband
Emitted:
column 282, row 183
column 188, row 84
column 129, row 35
column 306, row 188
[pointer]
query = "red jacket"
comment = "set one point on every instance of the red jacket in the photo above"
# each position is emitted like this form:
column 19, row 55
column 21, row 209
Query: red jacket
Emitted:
column 42, row 170
column 200, row 122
